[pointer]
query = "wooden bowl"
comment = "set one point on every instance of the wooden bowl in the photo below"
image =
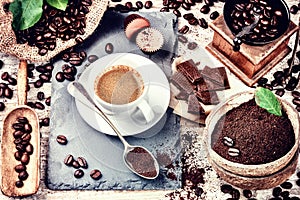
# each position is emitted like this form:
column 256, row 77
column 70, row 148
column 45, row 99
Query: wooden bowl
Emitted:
column 246, row 170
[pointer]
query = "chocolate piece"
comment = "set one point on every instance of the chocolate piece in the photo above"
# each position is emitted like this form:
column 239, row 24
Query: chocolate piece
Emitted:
column 217, row 75
column 189, row 69
column 208, row 97
column 182, row 95
column 180, row 81
column 194, row 105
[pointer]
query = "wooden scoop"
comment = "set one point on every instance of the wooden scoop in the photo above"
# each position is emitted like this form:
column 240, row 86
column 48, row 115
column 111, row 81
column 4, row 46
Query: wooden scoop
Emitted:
column 8, row 147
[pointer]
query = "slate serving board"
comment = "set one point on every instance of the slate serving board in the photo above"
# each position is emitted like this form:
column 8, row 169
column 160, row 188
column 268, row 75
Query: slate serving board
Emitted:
column 102, row 151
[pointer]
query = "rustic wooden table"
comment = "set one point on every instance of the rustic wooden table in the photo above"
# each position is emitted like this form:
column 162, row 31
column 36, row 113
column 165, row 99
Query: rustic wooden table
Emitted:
column 211, row 187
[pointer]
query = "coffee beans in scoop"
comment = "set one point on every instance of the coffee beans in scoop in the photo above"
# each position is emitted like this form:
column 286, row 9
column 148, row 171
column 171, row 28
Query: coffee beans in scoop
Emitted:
column 22, row 135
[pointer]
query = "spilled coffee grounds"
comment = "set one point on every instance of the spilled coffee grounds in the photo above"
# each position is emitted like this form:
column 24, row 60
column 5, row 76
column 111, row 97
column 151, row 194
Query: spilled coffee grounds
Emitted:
column 258, row 136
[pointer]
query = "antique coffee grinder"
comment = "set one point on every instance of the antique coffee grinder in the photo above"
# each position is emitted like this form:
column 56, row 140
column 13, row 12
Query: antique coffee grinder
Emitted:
column 252, row 36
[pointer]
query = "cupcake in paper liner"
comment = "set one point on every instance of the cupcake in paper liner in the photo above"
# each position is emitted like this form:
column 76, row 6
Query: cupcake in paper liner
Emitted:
column 150, row 40
column 133, row 24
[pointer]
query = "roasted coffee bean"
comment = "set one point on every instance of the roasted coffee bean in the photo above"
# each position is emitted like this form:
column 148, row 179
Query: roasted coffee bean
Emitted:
column 12, row 81
column 276, row 191
column 148, row 4
column 193, row 21
column 188, row 16
column 18, row 126
column 203, row 23
column 235, row 194
column 69, row 77
column 294, row 9
column 262, row 81
column 2, row 106
column 177, row 13
column 228, row 141
column 48, row 101
column 214, row 15
column 19, row 184
column 82, row 162
column 27, row 128
column 45, row 122
column 23, row 120
column 29, row 149
column 184, row 29
column 17, row 141
column 296, row 94
column 247, row 193
column 296, row 68
column 192, row 45
column 92, row 58
column 139, row 4
column 205, row 9
column 298, row 182
column 280, row 92
column 18, row 134
column 40, row 96
column 96, row 174
column 225, row 188
column 292, row 84
column 61, row 139
column 18, row 155
column 296, row 101
column 285, row 194
column 20, row 147
column 8, row 93
column 75, row 164
column 233, row 152
column 182, row 39
column 30, row 104
column 26, row 137
column 1, row 64
column 186, row 6
column 209, row 2
column 25, row 158
column 44, row 78
column 109, row 48
column 129, row 5
column 5, row 76
column 164, row 9
column 39, row 105
column 38, row 83
column 23, row 175
column 69, row 160
column 20, row 167
column 286, row 185
column 78, row 173
column 71, row 70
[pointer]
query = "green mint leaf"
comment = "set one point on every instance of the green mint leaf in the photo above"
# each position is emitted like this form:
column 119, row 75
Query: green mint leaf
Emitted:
column 267, row 100
column 26, row 13
column 59, row 4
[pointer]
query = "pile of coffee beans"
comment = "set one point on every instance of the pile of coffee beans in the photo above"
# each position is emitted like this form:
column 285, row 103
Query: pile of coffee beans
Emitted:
column 282, row 191
column 284, row 80
column 55, row 24
column 129, row 6
column 79, row 164
column 22, row 137
column 268, row 25
column 69, row 70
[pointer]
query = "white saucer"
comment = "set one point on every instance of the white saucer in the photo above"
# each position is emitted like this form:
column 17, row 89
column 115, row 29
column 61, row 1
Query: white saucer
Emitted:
column 158, row 98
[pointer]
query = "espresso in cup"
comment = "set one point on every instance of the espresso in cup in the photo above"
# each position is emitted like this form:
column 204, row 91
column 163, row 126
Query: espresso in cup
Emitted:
column 120, row 84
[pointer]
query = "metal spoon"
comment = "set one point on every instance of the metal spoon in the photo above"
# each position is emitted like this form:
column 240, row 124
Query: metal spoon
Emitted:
column 133, row 156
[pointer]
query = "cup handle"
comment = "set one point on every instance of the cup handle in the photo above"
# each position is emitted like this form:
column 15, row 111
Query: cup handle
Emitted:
column 146, row 110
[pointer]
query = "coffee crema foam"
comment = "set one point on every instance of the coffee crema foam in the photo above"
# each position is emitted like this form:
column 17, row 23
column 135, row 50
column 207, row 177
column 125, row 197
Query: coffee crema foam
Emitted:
column 120, row 84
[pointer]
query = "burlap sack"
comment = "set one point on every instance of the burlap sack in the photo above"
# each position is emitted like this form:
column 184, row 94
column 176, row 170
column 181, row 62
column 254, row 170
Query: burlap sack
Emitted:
column 9, row 45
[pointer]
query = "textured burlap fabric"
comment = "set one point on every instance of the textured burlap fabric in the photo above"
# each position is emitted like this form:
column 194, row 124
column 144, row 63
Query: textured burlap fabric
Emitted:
column 9, row 45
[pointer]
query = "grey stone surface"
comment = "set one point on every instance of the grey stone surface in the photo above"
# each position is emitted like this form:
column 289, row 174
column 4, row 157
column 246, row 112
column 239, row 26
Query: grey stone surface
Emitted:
column 102, row 151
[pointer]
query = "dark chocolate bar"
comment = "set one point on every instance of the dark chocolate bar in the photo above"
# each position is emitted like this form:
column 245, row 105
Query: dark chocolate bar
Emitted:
column 217, row 75
column 194, row 105
column 208, row 97
column 190, row 70
column 180, row 81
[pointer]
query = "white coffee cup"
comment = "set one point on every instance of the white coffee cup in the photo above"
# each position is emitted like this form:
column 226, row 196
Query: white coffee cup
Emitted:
column 122, row 86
